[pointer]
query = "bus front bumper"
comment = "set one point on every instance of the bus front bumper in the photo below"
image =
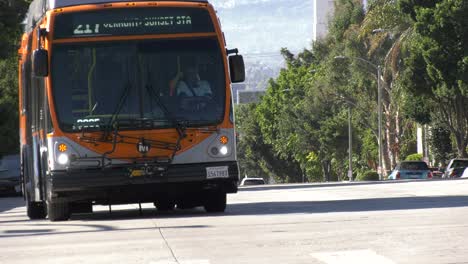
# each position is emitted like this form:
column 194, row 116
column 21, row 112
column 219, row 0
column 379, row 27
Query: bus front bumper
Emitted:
column 124, row 184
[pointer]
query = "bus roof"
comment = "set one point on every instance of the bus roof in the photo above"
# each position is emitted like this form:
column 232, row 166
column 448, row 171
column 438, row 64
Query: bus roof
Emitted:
column 38, row 8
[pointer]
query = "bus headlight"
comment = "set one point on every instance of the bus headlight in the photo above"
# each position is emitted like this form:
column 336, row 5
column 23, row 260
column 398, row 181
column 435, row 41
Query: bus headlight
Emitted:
column 64, row 154
column 223, row 150
column 62, row 159
column 221, row 146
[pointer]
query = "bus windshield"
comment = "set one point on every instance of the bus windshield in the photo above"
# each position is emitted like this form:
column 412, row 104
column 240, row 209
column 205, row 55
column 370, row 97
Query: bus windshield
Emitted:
column 160, row 82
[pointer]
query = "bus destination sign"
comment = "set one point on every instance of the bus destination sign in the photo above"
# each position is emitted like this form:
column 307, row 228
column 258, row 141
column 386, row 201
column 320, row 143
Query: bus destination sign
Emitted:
column 118, row 22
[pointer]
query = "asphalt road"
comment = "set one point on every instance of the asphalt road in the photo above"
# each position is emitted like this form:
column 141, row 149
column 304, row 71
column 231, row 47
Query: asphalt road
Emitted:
column 401, row 222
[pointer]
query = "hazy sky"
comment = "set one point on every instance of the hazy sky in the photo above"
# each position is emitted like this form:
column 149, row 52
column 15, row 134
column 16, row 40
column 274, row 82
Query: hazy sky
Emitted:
column 265, row 26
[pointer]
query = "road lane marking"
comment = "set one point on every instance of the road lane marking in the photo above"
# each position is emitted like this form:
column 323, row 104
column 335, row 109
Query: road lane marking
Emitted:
column 352, row 257
column 187, row 261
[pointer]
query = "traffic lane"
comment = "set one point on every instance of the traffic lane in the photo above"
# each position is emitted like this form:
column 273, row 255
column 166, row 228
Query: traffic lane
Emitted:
column 300, row 225
column 295, row 235
column 256, row 228
column 120, row 237
column 371, row 186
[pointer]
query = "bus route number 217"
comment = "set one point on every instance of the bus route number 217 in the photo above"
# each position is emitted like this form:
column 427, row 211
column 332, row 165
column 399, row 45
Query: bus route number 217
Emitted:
column 82, row 29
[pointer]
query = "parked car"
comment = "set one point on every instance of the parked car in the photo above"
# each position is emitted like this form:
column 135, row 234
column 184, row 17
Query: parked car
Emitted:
column 465, row 173
column 10, row 174
column 411, row 170
column 252, row 181
column 437, row 172
column 455, row 168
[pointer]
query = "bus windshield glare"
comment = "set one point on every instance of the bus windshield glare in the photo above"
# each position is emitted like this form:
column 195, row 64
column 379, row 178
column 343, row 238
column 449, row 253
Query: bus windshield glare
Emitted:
column 97, row 83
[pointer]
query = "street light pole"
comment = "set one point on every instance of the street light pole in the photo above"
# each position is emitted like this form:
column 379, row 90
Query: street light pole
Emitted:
column 379, row 103
column 379, row 107
column 350, row 145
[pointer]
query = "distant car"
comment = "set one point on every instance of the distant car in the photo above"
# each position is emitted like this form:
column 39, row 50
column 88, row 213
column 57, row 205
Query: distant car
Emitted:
column 465, row 173
column 411, row 170
column 437, row 172
column 455, row 168
column 252, row 181
column 10, row 173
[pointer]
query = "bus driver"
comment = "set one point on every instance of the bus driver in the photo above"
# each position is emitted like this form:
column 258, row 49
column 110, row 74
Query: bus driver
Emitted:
column 189, row 84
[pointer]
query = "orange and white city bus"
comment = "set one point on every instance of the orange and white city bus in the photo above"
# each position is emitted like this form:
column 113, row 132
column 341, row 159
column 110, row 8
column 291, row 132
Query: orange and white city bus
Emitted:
column 126, row 102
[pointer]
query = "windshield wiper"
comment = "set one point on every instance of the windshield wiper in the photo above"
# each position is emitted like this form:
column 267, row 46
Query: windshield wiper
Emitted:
column 115, row 114
column 201, row 122
column 143, row 122
column 179, row 126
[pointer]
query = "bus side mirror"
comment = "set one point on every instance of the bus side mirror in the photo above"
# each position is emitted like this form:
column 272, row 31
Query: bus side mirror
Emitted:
column 40, row 63
column 237, row 68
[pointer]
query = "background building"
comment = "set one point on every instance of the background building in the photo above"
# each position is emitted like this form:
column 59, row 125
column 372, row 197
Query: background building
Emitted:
column 323, row 10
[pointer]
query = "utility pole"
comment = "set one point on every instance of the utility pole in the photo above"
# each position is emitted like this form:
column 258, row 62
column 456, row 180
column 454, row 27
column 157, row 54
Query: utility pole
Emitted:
column 379, row 106
column 350, row 145
column 379, row 103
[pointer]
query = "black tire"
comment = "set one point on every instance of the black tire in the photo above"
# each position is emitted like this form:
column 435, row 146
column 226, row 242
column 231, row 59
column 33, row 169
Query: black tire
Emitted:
column 186, row 204
column 81, row 208
column 35, row 210
column 164, row 205
column 58, row 211
column 215, row 202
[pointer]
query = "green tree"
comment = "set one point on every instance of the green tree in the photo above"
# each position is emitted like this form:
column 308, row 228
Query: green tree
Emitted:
column 8, row 107
column 394, row 29
column 437, row 67
column 440, row 143
column 414, row 157
column 11, row 14
column 256, row 157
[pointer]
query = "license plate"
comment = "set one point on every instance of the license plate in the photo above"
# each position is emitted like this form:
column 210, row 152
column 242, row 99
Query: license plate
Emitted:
column 137, row 173
column 217, row 172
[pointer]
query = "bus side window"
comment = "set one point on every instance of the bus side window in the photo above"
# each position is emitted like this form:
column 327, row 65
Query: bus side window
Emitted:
column 26, row 81
column 37, row 93
column 48, row 119
column 34, row 109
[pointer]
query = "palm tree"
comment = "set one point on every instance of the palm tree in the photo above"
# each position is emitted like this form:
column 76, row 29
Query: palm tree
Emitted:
column 386, row 29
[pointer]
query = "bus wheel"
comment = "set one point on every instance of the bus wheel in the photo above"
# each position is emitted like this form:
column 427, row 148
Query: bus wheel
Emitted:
column 164, row 205
column 186, row 204
column 215, row 202
column 58, row 211
column 35, row 210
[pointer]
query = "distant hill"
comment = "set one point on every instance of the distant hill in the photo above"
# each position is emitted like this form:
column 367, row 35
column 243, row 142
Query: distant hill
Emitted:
column 260, row 28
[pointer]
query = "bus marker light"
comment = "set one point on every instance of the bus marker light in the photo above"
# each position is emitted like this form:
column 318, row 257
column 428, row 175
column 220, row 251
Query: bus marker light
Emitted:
column 223, row 140
column 62, row 147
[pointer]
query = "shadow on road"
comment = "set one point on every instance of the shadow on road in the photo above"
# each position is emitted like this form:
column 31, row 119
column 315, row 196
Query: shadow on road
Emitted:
column 8, row 202
column 21, row 227
column 88, row 221
column 358, row 205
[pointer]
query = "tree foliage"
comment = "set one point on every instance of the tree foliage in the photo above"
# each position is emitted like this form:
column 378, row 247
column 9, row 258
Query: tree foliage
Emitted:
column 11, row 15
column 414, row 157
column 422, row 52
column 437, row 64
column 441, row 144
column 256, row 157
